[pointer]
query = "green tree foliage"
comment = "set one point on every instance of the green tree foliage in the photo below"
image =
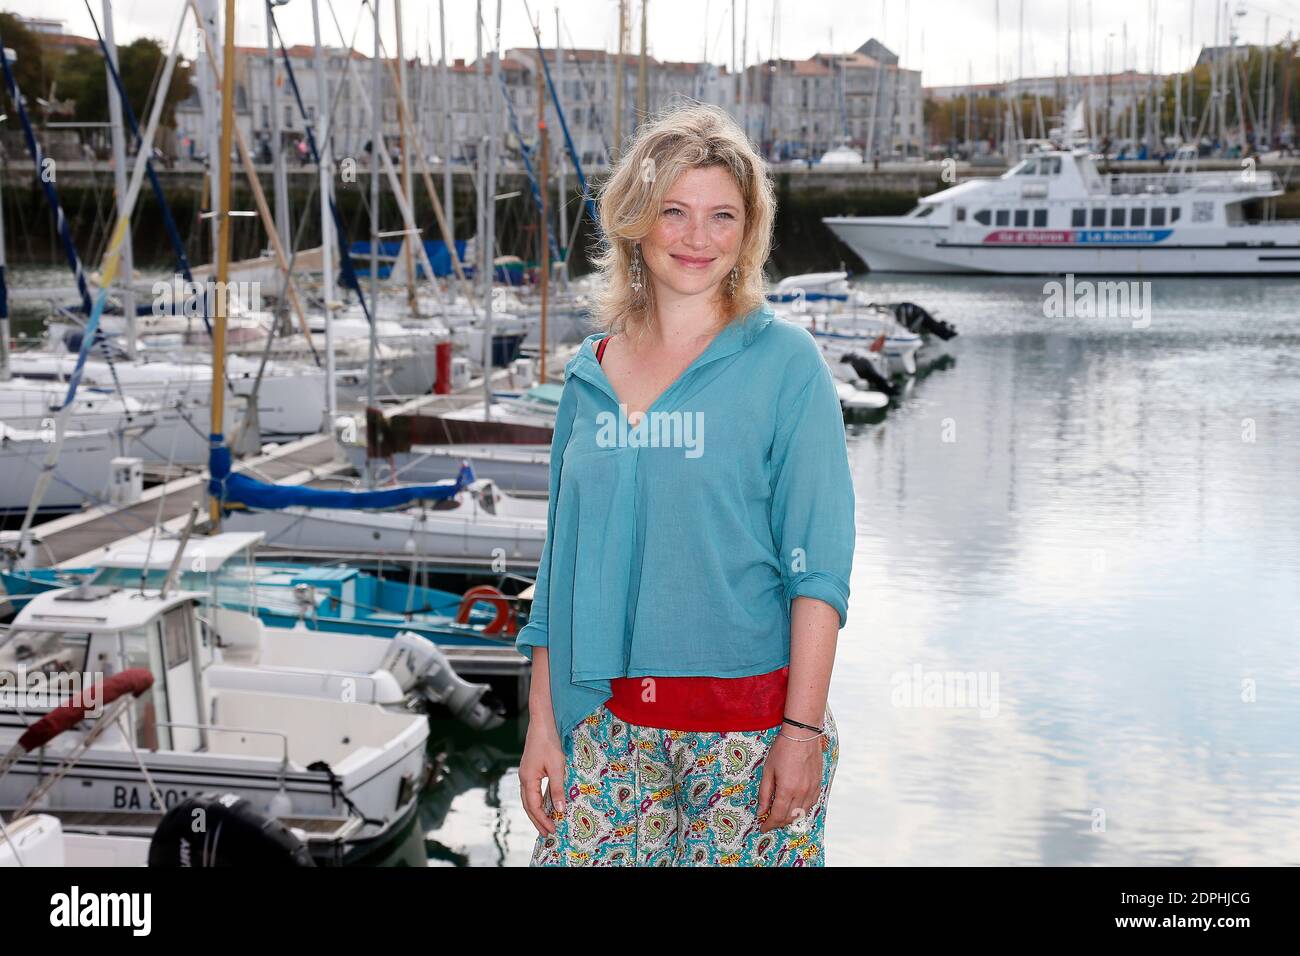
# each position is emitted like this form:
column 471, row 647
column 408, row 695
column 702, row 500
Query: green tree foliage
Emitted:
column 83, row 78
column 30, row 68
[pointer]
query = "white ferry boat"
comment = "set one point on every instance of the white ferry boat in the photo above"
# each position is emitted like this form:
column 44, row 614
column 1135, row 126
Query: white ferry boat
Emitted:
column 1055, row 213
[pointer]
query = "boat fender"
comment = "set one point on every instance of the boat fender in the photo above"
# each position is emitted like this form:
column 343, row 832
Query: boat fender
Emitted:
column 503, row 623
column 224, row 829
column 867, row 372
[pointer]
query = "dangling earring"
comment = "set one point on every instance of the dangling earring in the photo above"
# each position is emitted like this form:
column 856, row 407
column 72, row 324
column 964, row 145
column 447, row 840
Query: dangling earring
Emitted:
column 735, row 275
column 634, row 272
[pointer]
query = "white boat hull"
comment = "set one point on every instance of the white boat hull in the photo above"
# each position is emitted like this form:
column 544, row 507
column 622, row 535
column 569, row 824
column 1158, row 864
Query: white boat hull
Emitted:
column 107, row 779
column 887, row 246
column 514, row 468
column 413, row 531
column 81, row 477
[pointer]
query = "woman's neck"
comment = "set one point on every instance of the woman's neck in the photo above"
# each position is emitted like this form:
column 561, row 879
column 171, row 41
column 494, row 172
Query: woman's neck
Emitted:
column 681, row 320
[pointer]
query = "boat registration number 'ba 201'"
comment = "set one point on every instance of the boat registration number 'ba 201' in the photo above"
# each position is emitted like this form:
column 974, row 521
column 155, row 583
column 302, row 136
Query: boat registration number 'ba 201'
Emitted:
column 129, row 798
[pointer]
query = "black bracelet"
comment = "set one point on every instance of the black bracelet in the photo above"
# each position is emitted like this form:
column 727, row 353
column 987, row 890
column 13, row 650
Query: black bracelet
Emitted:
column 816, row 730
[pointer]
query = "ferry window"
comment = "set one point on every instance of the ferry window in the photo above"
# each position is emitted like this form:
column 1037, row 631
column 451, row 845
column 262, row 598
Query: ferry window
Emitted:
column 1022, row 217
column 982, row 217
column 1117, row 216
column 1173, row 213
column 961, row 213
column 923, row 211
column 1098, row 217
column 1137, row 216
column 1040, row 218
column 1158, row 215
column 1028, row 168
column 1049, row 165
column 1079, row 217
column 1003, row 217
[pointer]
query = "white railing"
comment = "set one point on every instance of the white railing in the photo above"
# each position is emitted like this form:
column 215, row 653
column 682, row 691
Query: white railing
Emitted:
column 1138, row 184
column 1293, row 223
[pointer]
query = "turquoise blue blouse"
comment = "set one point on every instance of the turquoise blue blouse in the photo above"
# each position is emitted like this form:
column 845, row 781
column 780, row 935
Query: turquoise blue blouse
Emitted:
column 674, row 548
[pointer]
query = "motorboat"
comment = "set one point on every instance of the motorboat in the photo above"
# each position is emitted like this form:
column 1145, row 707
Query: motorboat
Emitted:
column 1056, row 213
column 345, row 772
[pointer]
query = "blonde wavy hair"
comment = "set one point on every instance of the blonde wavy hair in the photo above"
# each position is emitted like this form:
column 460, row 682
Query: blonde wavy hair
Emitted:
column 686, row 135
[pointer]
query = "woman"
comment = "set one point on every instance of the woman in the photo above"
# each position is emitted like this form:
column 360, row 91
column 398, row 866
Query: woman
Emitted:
column 696, row 568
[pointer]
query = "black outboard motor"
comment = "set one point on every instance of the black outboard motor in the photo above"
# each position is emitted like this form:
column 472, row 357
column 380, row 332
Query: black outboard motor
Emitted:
column 866, row 371
column 223, row 829
column 915, row 319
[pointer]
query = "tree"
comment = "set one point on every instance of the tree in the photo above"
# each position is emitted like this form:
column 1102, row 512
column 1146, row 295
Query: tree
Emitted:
column 83, row 77
column 30, row 69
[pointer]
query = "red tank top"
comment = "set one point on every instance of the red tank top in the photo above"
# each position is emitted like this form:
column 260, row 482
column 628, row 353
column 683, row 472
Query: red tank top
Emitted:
column 713, row 704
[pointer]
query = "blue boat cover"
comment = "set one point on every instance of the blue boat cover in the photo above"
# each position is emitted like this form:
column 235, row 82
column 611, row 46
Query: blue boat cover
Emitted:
column 231, row 488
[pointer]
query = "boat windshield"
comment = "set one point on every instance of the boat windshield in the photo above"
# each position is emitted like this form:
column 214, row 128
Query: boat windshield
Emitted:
column 51, row 652
column 229, row 584
column 1037, row 166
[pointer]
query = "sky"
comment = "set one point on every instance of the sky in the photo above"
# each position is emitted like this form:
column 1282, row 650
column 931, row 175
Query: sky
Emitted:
column 950, row 41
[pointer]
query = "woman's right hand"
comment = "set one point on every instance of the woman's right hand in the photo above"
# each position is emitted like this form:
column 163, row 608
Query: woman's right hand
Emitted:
column 543, row 758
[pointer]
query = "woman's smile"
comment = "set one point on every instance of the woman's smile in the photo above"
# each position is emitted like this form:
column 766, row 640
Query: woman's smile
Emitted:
column 693, row 262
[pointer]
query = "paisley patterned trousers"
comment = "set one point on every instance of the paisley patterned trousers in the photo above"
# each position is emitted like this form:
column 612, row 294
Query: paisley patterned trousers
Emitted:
column 639, row 796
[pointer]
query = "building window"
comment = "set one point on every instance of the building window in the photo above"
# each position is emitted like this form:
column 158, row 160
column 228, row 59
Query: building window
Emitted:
column 1040, row 218
column 982, row 217
column 1003, row 217
column 1098, row 217
column 1022, row 218
column 1137, row 216
column 1158, row 215
column 1079, row 217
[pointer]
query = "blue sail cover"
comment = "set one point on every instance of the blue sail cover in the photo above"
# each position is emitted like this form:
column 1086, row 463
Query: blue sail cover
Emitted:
column 231, row 488
column 435, row 249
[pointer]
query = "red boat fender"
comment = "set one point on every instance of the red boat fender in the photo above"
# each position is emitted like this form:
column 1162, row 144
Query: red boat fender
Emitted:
column 503, row 623
column 134, row 682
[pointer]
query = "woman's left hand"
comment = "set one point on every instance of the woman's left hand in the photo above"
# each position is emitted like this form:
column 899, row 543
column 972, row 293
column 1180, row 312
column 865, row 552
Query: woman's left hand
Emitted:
column 792, row 779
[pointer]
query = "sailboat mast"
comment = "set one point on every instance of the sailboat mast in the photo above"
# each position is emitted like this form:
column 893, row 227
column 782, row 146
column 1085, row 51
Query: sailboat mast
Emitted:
column 223, row 243
column 402, row 121
column 376, row 144
column 119, row 183
column 490, row 215
column 326, row 217
column 544, row 253
column 562, row 192
column 448, row 124
column 618, row 79
column 640, row 72
column 279, row 178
